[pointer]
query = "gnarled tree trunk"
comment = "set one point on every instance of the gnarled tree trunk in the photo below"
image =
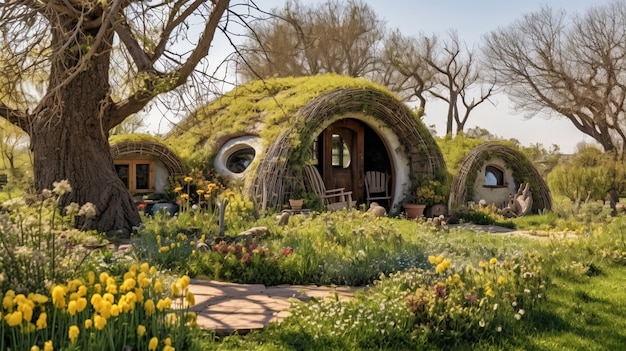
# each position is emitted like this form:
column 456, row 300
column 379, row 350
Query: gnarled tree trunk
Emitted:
column 69, row 140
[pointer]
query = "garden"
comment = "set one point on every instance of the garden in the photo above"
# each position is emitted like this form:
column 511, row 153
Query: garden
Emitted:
column 428, row 287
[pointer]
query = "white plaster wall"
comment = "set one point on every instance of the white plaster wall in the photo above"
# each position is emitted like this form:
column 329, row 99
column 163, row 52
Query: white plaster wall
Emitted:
column 160, row 177
column 230, row 147
column 492, row 195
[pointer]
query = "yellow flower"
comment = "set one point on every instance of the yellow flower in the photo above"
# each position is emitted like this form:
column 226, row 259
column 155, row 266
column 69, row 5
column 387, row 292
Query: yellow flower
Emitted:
column 153, row 270
column 188, row 179
column 38, row 298
column 200, row 192
column 149, row 307
column 81, row 304
column 184, row 281
column 71, row 308
column 104, row 276
column 191, row 299
column 184, row 196
column 41, row 321
column 158, row 286
column 47, row 346
column 115, row 310
column 58, row 296
column 493, row 261
column 73, row 332
column 168, row 348
column 141, row 330
column 443, row 266
column 178, row 189
column 501, row 280
column 154, row 342
column 469, row 268
column 88, row 324
column 175, row 289
column 168, row 342
column 91, row 277
column 35, row 348
column 164, row 249
column 128, row 285
column 100, row 322
column 164, row 304
column 27, row 310
column 14, row 319
column 144, row 267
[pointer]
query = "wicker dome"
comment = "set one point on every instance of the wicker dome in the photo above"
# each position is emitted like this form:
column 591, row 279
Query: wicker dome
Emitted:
column 522, row 169
column 152, row 148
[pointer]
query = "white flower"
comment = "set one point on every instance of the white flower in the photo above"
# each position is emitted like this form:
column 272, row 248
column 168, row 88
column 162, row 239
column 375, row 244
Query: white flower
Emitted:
column 46, row 193
column 495, row 306
column 518, row 316
column 481, row 323
column 499, row 329
column 71, row 209
column 61, row 187
column 88, row 210
column 521, row 312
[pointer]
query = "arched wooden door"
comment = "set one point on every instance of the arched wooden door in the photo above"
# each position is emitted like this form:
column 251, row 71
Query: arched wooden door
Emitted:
column 342, row 161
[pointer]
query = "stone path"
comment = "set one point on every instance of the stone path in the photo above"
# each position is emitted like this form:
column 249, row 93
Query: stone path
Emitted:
column 229, row 307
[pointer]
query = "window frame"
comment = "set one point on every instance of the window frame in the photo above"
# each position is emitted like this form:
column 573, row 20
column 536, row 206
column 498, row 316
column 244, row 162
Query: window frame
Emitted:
column 490, row 169
column 132, row 174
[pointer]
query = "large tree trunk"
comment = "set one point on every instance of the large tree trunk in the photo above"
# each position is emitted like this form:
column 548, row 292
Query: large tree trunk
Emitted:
column 69, row 139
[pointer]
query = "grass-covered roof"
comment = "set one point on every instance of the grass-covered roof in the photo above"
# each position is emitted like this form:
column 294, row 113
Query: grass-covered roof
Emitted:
column 264, row 107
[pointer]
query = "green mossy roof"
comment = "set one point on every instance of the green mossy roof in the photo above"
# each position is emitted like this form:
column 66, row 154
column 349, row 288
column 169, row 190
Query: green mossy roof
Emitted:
column 120, row 138
column 264, row 107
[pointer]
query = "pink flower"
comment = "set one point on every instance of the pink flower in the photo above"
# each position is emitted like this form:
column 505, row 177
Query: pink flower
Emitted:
column 245, row 258
column 287, row 251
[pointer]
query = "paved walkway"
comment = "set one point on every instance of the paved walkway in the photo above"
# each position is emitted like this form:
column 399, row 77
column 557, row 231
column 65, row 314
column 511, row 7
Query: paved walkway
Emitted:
column 229, row 307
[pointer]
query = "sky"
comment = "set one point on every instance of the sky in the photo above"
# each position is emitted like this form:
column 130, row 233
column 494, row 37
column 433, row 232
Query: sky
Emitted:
column 472, row 20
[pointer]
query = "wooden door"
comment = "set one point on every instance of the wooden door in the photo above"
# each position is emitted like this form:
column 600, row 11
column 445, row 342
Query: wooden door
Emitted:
column 342, row 164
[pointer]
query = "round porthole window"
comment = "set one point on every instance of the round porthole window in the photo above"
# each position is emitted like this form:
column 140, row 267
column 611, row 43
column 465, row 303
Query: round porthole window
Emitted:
column 236, row 155
column 240, row 160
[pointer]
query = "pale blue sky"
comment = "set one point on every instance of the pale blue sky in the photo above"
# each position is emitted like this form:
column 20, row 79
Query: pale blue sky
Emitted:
column 472, row 19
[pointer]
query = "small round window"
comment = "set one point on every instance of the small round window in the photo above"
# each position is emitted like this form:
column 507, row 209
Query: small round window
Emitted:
column 240, row 160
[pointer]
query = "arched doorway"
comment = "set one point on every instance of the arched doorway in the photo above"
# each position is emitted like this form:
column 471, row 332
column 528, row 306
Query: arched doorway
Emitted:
column 347, row 149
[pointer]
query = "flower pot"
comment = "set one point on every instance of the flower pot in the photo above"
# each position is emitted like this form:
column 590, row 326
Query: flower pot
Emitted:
column 413, row 210
column 296, row 204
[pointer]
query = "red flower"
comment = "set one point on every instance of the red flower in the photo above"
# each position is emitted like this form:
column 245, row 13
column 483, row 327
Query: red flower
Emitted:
column 287, row 251
column 245, row 258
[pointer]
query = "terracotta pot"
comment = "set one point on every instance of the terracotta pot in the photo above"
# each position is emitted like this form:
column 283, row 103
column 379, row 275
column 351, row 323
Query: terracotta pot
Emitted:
column 296, row 204
column 413, row 210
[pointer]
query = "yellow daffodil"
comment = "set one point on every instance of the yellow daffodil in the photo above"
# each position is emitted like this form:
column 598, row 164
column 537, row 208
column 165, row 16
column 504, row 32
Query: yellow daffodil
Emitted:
column 184, row 281
column 73, row 333
column 144, row 267
column 38, row 298
column 188, row 179
column 42, row 321
column 154, row 342
column 158, row 286
column 35, row 348
column 191, row 299
column 493, row 261
column 141, row 330
column 149, row 307
column 58, row 296
column 153, row 270
column 14, row 319
column 91, row 277
column 169, row 348
column 104, row 276
column 99, row 322
column 47, row 346
column 71, row 308
column 88, row 324
column 178, row 189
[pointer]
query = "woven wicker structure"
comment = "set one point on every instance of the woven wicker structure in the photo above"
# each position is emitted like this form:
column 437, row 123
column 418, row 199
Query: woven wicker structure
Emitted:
column 425, row 158
column 149, row 148
column 522, row 169
column 289, row 114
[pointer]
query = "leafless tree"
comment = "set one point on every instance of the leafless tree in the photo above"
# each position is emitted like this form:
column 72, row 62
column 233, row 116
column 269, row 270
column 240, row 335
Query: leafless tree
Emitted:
column 75, row 44
column 567, row 66
column 298, row 40
column 404, row 68
column 458, row 76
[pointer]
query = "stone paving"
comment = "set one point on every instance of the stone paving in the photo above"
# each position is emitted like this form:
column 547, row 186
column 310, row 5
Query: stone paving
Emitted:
column 228, row 307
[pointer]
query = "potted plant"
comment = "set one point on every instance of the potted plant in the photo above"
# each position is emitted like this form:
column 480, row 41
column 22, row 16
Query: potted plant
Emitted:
column 296, row 198
column 425, row 194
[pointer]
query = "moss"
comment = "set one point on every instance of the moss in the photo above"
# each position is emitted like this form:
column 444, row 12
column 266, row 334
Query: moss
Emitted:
column 265, row 107
column 120, row 138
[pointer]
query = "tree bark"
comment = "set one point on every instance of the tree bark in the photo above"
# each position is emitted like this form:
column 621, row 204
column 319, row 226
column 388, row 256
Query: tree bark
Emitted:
column 69, row 140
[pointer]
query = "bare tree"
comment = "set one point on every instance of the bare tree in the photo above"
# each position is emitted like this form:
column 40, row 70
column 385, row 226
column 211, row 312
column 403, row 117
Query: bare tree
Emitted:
column 572, row 67
column 458, row 76
column 72, row 44
column 333, row 37
column 404, row 68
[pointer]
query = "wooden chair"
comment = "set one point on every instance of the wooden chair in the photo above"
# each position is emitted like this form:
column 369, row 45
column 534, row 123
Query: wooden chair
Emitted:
column 333, row 199
column 377, row 187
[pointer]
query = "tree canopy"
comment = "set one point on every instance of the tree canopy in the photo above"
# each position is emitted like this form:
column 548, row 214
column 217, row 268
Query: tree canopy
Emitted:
column 80, row 68
column 567, row 66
